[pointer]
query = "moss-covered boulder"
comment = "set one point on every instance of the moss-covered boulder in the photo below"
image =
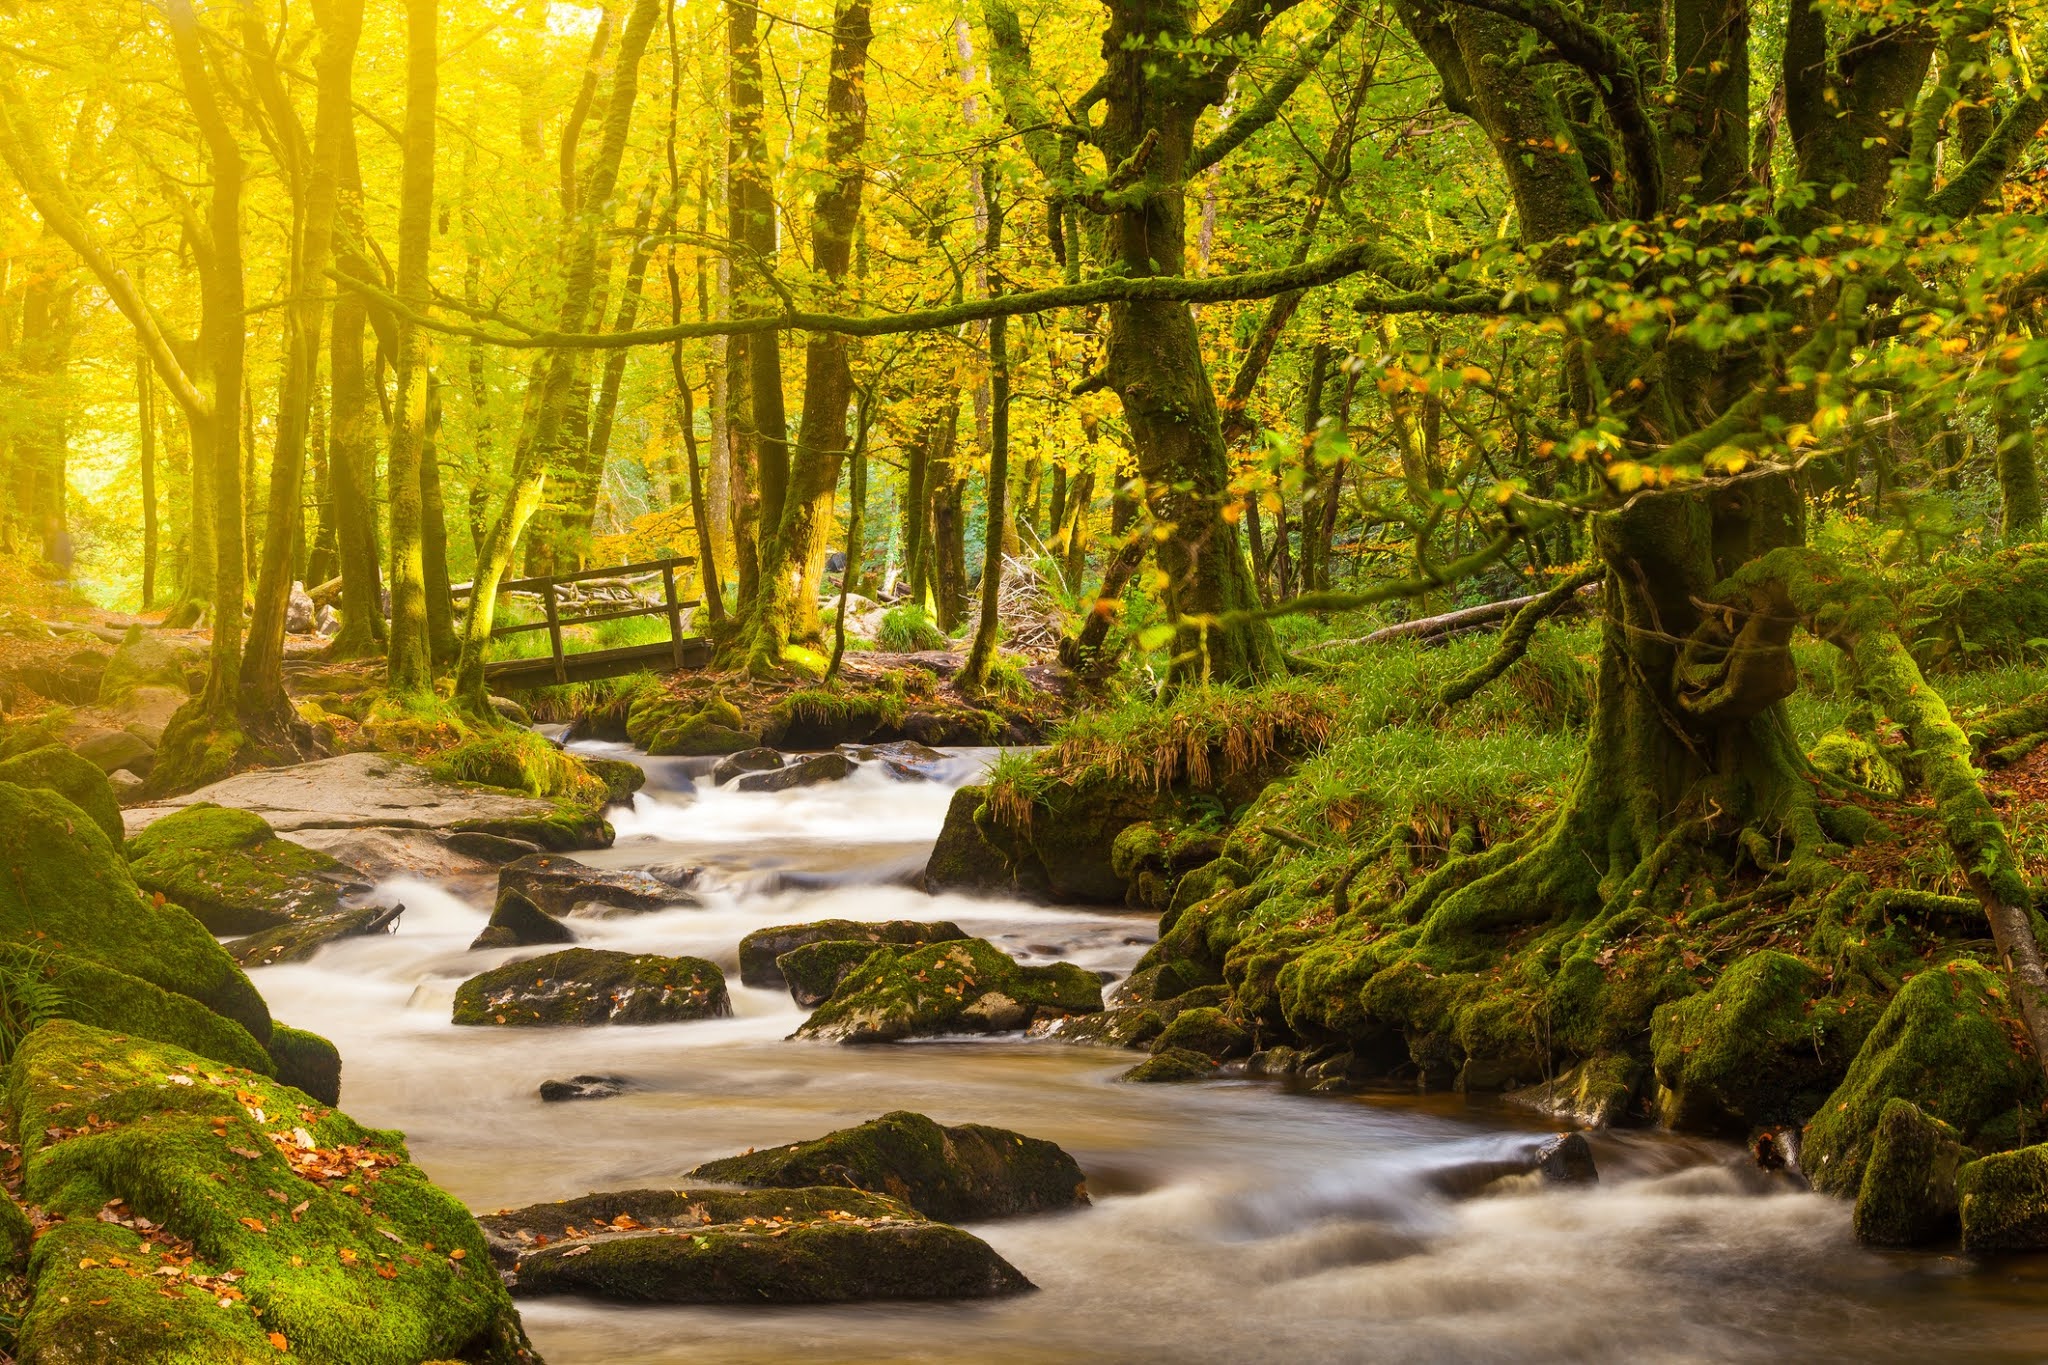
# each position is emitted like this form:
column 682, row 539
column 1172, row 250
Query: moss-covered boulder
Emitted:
column 818, row 718
column 917, row 992
column 1908, row 1194
column 78, row 780
column 229, row 868
column 306, row 1061
column 814, row 971
column 142, row 660
column 516, row 922
column 44, row 984
column 1949, row 1042
column 587, row 986
column 829, row 1260
column 620, row 777
column 1764, row 1045
column 70, row 891
column 1171, row 1065
column 664, row 724
column 1152, row 856
column 2003, row 1200
column 511, row 1232
column 196, row 1196
column 1597, row 1092
column 1207, row 1030
column 967, row 1172
column 761, row 950
column 965, row 863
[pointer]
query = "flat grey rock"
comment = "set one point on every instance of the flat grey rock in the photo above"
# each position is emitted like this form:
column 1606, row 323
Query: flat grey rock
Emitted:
column 349, row 791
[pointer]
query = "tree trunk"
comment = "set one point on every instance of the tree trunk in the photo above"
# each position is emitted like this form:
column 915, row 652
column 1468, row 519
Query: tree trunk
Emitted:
column 946, row 494
column 409, row 660
column 547, row 400
column 434, row 533
column 786, row 606
column 981, row 655
column 2019, row 478
column 145, row 411
column 760, row 422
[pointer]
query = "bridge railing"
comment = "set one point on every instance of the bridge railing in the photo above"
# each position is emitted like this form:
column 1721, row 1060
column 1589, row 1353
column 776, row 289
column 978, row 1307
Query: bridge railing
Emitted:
column 554, row 619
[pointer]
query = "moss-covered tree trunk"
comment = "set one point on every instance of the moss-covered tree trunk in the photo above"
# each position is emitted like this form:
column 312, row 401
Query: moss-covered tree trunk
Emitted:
column 1158, row 89
column 409, row 660
column 786, row 607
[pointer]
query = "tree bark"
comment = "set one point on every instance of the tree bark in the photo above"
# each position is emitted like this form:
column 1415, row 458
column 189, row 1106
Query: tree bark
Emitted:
column 409, row 659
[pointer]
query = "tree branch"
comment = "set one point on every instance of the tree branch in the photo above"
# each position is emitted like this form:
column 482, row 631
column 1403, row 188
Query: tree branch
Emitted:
column 1267, row 107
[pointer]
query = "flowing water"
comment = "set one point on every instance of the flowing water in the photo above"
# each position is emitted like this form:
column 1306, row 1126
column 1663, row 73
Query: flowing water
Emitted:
column 1232, row 1220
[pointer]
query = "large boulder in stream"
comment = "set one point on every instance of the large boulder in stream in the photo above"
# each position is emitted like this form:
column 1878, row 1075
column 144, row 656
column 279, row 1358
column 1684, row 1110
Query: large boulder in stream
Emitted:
column 1908, row 1194
column 229, row 868
column 969, row 986
column 209, row 1213
column 805, row 772
column 968, row 1172
column 760, row 950
column 588, row 986
column 2004, row 1201
column 374, row 790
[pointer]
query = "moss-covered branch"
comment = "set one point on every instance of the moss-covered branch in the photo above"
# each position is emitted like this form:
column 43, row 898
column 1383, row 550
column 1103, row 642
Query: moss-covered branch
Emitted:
column 1514, row 641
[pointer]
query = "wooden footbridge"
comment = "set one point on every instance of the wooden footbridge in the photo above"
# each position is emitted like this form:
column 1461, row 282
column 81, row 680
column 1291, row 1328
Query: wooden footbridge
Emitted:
column 585, row 599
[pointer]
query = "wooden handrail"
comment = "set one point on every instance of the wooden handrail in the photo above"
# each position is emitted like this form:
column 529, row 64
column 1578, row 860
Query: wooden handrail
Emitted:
column 581, row 575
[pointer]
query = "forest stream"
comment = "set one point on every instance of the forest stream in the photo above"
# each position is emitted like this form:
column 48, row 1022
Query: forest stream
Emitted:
column 1231, row 1221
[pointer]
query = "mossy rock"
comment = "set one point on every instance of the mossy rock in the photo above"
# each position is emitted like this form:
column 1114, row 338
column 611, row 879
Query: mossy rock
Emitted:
column 1598, row 1092
column 1949, row 1043
column 512, row 1231
column 103, row 997
column 306, row 1061
column 1068, row 843
column 17, row 1235
column 964, row 1173
column 827, row 1261
column 1764, row 1045
column 141, row 660
column 804, row 772
column 698, row 738
column 965, row 863
column 1171, row 1066
column 1908, row 1194
column 2003, row 1200
column 516, row 922
column 1153, row 855
column 1207, row 1030
column 558, row 886
column 229, row 868
column 78, row 780
column 72, row 892
column 621, row 778
column 566, row 829
column 375, row 1267
column 761, row 950
column 815, row 718
column 665, row 724
column 814, row 971
column 589, row 986
column 907, row 993
column 1125, row 1026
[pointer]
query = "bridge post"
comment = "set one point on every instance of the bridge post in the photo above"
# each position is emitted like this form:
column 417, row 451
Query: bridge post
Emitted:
column 554, row 630
column 675, row 614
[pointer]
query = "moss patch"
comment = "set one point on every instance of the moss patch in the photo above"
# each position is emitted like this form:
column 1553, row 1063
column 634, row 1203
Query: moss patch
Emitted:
column 101, row 997
column 361, row 1259
column 229, row 868
column 2004, row 1201
column 76, row 779
column 1908, row 1194
column 71, row 891
column 762, row 950
column 306, row 1061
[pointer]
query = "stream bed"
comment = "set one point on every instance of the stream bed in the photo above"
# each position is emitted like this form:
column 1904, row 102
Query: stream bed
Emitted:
column 1232, row 1220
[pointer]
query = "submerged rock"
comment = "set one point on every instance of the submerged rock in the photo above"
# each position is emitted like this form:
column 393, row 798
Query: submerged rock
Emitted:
column 806, row 772
column 905, row 759
column 756, row 760
column 967, row 1172
column 588, row 986
column 916, row 992
column 511, row 1232
column 557, row 885
column 242, row 1185
column 583, row 1088
column 1908, row 1194
column 760, row 950
column 1172, row 1064
column 1567, row 1159
column 814, row 971
column 2003, row 1200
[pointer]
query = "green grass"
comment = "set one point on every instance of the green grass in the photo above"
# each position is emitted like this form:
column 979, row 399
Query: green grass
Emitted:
column 907, row 630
